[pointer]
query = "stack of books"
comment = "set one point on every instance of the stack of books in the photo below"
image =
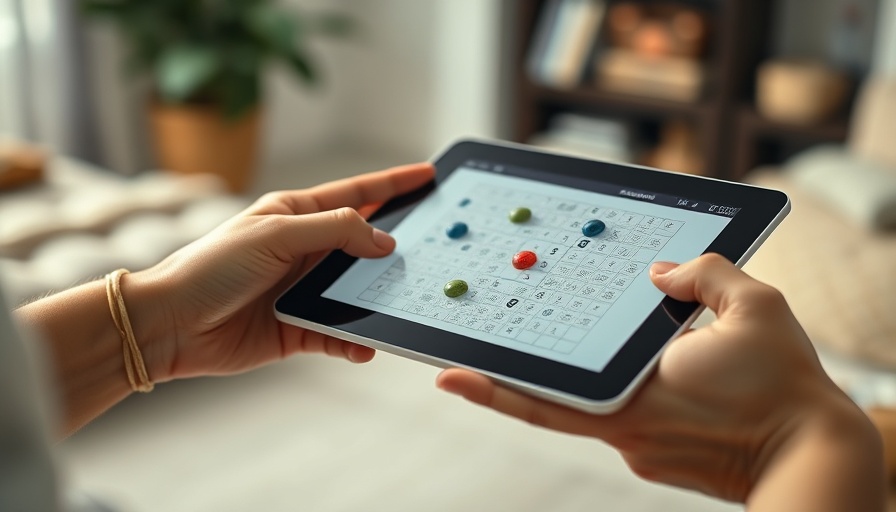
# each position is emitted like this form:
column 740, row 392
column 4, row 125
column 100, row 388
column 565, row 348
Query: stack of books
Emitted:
column 590, row 137
column 668, row 77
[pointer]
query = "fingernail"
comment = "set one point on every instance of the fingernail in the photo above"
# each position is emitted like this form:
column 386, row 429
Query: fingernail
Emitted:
column 383, row 240
column 663, row 267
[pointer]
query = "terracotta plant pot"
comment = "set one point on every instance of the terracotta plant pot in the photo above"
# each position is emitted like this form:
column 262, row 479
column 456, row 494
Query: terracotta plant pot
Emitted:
column 197, row 139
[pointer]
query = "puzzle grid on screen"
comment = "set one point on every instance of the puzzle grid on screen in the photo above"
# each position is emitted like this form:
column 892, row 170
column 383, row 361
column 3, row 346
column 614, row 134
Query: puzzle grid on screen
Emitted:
column 471, row 268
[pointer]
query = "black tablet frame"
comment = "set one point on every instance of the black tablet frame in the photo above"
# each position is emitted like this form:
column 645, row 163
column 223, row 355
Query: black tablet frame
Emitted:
column 760, row 208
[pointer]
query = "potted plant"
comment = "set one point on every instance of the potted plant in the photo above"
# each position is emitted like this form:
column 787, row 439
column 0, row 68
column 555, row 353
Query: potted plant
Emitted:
column 206, row 61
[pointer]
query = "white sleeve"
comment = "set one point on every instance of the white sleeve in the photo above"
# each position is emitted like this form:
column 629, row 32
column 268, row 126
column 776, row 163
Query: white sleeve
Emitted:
column 29, row 479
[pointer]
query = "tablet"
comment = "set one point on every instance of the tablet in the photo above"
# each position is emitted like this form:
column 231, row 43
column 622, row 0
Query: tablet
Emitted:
column 532, row 268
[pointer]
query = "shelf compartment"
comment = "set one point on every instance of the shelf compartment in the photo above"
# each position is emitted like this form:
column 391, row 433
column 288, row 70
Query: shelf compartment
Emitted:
column 616, row 102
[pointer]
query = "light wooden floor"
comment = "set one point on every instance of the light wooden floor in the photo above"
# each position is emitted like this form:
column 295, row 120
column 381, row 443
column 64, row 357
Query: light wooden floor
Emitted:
column 313, row 434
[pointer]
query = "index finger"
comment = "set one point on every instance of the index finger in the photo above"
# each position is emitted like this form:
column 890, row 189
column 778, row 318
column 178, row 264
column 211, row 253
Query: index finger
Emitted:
column 375, row 187
column 355, row 192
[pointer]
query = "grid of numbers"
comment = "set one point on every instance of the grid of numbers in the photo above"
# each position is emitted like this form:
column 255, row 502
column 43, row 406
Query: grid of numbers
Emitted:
column 555, row 304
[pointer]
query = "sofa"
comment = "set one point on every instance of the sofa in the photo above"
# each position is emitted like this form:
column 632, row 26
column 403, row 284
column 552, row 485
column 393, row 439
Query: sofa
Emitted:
column 80, row 222
column 834, row 256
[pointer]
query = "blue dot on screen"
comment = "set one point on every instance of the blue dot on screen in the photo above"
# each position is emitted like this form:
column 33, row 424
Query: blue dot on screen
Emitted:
column 457, row 230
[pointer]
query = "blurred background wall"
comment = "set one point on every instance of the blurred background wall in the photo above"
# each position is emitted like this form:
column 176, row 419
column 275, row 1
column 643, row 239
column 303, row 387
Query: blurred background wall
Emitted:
column 885, row 49
column 44, row 93
column 415, row 75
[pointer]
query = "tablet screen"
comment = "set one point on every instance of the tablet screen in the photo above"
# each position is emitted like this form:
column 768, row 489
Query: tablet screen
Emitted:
column 577, row 302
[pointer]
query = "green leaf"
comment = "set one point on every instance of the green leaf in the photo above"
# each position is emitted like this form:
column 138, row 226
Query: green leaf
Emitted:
column 244, row 59
column 239, row 95
column 276, row 31
column 103, row 9
column 334, row 25
column 184, row 70
column 216, row 51
column 303, row 66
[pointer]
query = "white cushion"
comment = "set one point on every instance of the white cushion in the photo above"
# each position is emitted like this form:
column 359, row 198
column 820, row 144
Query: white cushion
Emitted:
column 20, row 283
column 21, row 219
column 94, row 207
column 69, row 259
column 147, row 238
column 205, row 215
column 164, row 191
column 863, row 191
column 84, row 222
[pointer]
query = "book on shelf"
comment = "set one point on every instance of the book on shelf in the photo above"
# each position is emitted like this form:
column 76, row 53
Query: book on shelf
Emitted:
column 564, row 41
column 541, row 38
column 672, row 78
column 587, row 136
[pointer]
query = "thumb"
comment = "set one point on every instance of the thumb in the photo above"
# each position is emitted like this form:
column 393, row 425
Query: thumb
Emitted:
column 710, row 279
column 343, row 228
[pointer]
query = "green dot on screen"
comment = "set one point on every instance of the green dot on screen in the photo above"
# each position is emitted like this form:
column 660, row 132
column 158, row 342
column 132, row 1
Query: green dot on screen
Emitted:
column 456, row 288
column 520, row 215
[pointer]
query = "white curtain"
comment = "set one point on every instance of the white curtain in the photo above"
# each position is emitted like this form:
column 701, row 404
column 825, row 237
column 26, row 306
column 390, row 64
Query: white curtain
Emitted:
column 885, row 46
column 60, row 86
column 12, row 116
column 42, row 81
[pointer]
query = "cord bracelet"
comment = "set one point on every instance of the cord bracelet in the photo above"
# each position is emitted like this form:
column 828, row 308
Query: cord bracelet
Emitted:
column 133, row 359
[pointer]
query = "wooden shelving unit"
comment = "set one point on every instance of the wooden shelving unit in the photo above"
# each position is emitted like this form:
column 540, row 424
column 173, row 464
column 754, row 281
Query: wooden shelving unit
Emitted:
column 759, row 140
column 611, row 101
column 731, row 134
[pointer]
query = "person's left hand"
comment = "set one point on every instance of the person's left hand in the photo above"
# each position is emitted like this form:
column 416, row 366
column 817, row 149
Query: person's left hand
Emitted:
column 216, row 295
column 740, row 409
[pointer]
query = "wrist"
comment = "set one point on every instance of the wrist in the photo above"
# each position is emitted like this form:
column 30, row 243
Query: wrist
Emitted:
column 147, row 298
column 829, row 457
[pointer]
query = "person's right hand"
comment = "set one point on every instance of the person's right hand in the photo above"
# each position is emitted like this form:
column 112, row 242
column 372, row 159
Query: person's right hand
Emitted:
column 740, row 409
